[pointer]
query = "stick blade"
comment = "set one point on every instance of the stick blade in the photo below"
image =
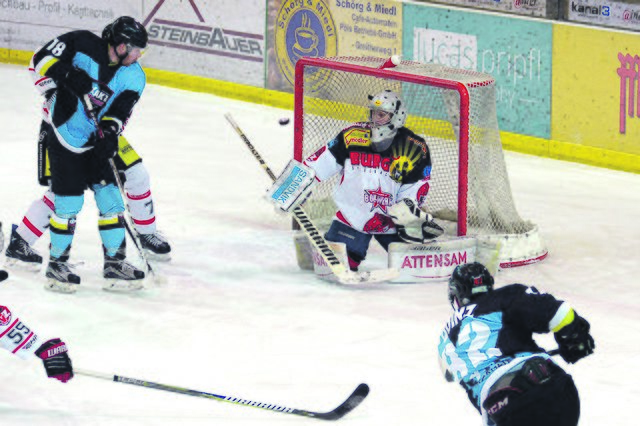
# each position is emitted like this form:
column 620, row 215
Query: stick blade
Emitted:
column 358, row 395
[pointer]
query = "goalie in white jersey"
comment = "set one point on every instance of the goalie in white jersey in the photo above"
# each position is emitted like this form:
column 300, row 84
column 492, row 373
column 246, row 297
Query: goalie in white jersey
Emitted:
column 381, row 163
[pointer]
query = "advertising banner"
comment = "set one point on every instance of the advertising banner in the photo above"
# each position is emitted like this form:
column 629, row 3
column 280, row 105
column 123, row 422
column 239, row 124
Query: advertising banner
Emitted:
column 595, row 88
column 520, row 7
column 315, row 28
column 27, row 25
column 516, row 52
column 607, row 13
column 221, row 39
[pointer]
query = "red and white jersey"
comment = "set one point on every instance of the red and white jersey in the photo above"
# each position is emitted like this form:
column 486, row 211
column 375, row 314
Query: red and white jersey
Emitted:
column 373, row 181
column 15, row 336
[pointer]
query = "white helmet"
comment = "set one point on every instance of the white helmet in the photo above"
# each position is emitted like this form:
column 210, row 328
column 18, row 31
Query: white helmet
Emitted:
column 387, row 114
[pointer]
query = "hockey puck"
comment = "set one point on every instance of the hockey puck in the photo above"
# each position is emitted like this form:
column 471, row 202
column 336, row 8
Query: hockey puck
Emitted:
column 283, row 121
column 3, row 275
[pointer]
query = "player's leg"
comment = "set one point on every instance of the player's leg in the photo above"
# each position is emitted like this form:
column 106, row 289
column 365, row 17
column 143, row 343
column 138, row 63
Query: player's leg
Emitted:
column 62, row 226
column 68, row 182
column 137, row 189
column 33, row 225
column 120, row 274
column 357, row 242
column 36, row 220
column 545, row 395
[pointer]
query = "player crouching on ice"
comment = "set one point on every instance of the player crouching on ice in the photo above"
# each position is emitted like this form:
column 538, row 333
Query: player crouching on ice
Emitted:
column 381, row 163
column 487, row 346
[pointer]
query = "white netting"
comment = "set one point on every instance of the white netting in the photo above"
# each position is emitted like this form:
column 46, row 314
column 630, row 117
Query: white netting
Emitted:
column 333, row 99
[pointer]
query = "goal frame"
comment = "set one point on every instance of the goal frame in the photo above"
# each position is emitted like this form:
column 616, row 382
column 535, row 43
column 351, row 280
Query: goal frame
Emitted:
column 387, row 73
column 516, row 248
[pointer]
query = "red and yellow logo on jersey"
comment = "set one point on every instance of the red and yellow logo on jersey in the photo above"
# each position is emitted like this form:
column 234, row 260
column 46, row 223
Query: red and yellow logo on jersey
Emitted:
column 357, row 136
column 5, row 316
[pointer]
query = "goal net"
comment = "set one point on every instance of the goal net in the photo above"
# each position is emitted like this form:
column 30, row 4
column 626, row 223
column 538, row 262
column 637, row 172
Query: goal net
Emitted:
column 453, row 109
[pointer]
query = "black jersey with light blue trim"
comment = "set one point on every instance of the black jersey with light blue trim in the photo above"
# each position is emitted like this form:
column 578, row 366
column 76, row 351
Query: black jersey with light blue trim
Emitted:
column 494, row 330
column 87, row 51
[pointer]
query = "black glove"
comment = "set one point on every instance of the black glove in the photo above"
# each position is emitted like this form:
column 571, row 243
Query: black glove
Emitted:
column 574, row 340
column 56, row 361
column 106, row 142
column 78, row 81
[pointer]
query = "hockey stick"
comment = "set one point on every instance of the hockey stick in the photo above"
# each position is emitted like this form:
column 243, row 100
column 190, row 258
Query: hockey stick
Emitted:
column 114, row 169
column 344, row 275
column 358, row 395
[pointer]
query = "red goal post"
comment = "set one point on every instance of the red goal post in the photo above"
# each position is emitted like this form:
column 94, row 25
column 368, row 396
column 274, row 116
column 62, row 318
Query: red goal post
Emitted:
column 454, row 110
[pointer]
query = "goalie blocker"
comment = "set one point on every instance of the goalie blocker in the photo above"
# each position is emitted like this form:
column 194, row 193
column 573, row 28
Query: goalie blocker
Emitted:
column 292, row 187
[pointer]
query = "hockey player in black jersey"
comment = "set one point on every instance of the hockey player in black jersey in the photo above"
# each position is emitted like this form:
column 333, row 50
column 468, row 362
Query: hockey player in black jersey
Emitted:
column 138, row 198
column 487, row 346
column 97, row 82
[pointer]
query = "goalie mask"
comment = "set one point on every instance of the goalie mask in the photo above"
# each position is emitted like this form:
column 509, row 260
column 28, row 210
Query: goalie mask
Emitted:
column 387, row 114
column 467, row 282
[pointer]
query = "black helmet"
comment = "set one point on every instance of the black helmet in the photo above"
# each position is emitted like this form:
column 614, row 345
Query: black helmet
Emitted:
column 126, row 30
column 467, row 282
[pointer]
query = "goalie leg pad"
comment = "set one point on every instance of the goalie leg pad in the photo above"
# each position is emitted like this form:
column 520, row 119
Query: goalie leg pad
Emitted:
column 431, row 261
column 292, row 187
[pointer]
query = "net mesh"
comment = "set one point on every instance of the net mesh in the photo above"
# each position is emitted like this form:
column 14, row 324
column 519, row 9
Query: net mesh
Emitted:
column 333, row 99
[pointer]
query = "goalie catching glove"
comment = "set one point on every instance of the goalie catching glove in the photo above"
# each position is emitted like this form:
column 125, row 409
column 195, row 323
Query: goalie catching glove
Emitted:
column 292, row 187
column 430, row 229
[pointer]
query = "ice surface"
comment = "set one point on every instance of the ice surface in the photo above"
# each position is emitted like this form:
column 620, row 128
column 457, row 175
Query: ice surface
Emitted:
column 237, row 317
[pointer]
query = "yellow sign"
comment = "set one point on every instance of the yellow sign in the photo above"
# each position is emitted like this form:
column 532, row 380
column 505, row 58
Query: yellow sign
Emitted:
column 595, row 99
column 303, row 28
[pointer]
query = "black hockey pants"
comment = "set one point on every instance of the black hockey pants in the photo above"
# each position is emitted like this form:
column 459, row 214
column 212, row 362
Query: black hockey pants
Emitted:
column 540, row 394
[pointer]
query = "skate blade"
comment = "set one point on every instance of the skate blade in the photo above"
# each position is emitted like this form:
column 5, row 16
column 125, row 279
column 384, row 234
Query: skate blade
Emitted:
column 115, row 285
column 157, row 257
column 25, row 266
column 60, row 287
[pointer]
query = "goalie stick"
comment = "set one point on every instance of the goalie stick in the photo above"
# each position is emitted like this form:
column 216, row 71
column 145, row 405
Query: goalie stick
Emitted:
column 343, row 275
column 134, row 236
column 356, row 397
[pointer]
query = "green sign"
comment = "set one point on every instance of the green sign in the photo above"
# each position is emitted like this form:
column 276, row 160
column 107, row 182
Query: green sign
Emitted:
column 515, row 51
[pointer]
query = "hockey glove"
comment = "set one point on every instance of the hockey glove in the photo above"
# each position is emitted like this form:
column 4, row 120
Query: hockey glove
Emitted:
column 430, row 229
column 78, row 81
column 107, row 140
column 574, row 340
column 292, row 187
column 56, row 361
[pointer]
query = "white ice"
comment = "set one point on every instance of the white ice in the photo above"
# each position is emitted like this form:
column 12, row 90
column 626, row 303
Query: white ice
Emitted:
column 237, row 317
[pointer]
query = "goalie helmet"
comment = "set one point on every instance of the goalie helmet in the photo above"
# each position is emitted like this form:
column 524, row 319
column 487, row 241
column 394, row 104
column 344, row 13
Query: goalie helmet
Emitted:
column 126, row 30
column 387, row 114
column 467, row 282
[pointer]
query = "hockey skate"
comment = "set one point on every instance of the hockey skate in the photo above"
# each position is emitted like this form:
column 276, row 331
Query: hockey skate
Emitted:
column 120, row 275
column 60, row 278
column 156, row 246
column 19, row 253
